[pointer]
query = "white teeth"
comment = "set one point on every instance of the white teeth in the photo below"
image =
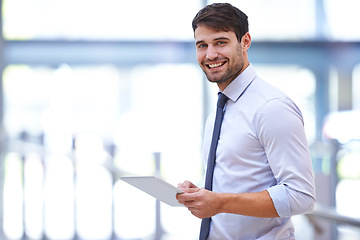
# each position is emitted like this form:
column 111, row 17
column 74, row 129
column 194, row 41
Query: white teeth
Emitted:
column 215, row 65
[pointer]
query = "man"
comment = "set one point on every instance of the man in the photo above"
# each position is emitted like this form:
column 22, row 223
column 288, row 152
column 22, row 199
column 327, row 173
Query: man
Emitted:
column 263, row 173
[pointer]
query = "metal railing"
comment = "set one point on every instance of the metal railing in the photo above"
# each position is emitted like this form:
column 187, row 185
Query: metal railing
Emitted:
column 332, row 215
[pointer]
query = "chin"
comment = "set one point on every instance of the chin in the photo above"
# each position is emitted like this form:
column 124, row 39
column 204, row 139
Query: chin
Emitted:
column 214, row 79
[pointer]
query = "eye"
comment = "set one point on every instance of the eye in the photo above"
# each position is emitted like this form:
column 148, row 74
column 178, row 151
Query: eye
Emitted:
column 201, row 45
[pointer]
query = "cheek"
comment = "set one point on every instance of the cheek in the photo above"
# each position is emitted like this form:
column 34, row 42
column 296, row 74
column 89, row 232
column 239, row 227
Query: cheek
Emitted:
column 199, row 56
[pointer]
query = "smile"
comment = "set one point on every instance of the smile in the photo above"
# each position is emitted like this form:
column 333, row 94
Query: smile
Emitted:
column 215, row 65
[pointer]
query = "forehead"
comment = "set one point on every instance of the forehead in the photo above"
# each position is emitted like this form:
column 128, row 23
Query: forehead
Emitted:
column 205, row 34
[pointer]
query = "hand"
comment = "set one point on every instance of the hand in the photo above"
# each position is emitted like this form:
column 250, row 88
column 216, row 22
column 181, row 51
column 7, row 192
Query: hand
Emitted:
column 187, row 184
column 200, row 202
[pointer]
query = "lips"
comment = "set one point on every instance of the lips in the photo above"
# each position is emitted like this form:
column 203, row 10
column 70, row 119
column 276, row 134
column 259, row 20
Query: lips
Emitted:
column 215, row 65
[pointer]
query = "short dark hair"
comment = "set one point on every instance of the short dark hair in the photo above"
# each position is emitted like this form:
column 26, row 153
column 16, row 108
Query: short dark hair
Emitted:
column 222, row 17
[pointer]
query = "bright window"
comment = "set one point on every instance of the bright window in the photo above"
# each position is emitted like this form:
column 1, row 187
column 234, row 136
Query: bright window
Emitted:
column 139, row 110
column 279, row 19
column 98, row 19
column 343, row 18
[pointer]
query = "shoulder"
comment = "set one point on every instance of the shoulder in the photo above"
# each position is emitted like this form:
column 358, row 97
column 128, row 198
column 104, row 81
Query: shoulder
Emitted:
column 265, row 90
column 279, row 117
column 274, row 107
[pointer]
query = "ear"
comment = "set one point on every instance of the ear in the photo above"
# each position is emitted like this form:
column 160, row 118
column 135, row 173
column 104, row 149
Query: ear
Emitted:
column 246, row 41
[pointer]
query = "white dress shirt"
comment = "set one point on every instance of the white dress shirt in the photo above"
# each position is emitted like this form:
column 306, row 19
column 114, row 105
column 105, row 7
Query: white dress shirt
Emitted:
column 262, row 146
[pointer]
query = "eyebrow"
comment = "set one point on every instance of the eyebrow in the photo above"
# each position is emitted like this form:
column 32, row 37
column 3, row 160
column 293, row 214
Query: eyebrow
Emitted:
column 215, row 39
column 221, row 38
column 198, row 42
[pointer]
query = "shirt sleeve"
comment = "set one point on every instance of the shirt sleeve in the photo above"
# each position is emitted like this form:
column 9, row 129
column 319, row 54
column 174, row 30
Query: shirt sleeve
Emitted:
column 281, row 133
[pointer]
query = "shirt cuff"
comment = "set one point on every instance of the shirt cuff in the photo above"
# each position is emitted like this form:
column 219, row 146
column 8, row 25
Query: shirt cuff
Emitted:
column 280, row 199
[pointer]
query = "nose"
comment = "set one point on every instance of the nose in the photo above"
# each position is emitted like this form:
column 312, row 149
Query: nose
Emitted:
column 211, row 52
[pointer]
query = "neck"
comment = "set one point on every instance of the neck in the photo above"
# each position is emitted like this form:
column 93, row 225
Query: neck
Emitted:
column 224, row 84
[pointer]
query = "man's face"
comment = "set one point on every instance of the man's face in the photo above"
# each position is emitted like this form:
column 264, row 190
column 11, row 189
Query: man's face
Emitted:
column 219, row 54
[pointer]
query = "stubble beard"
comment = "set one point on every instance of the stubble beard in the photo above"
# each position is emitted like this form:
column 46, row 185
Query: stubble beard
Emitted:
column 228, row 76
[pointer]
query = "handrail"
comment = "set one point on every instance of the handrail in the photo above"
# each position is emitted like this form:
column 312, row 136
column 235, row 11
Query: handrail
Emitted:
column 331, row 214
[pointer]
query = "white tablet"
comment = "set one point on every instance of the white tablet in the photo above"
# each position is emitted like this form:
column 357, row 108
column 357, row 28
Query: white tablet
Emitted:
column 155, row 187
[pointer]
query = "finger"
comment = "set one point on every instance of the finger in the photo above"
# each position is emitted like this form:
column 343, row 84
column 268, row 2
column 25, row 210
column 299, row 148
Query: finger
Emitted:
column 178, row 196
column 182, row 188
column 185, row 184
column 188, row 197
column 194, row 212
column 191, row 190
column 188, row 204
column 188, row 184
column 185, row 199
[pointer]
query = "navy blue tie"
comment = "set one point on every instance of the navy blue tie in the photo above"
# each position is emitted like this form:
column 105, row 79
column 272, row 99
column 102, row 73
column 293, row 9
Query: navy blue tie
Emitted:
column 205, row 223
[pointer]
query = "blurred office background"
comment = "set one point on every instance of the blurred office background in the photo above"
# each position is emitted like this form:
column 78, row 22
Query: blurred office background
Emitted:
column 96, row 89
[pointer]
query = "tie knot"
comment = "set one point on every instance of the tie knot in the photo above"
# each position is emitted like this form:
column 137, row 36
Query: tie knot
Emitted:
column 222, row 100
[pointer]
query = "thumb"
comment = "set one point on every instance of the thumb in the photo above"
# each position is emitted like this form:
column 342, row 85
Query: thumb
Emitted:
column 191, row 190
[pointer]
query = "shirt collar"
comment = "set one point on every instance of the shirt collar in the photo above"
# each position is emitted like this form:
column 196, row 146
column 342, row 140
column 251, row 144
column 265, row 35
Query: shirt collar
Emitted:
column 236, row 88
